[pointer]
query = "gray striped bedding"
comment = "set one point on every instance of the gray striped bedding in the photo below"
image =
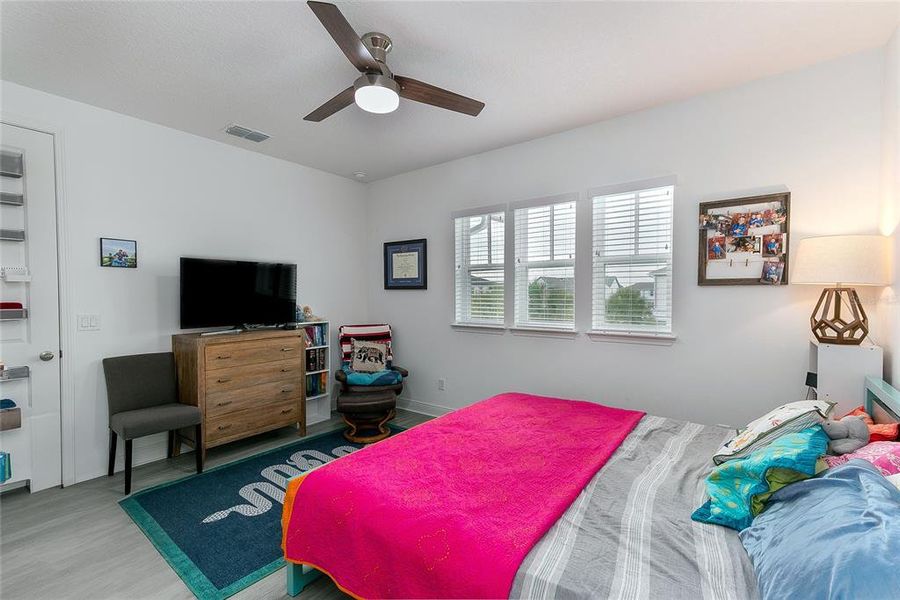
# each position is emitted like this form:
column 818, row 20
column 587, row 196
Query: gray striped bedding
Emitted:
column 629, row 535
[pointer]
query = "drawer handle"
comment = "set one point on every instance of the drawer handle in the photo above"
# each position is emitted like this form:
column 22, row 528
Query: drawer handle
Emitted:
column 287, row 349
column 226, row 403
column 224, row 427
column 286, row 370
column 224, row 380
column 226, row 357
column 287, row 390
column 286, row 411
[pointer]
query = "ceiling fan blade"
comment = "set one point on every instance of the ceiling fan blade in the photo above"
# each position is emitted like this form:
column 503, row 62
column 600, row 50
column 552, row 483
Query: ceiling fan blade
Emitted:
column 412, row 89
column 341, row 101
column 346, row 38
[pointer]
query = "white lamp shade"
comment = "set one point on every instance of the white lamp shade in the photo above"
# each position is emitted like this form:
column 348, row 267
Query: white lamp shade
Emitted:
column 852, row 260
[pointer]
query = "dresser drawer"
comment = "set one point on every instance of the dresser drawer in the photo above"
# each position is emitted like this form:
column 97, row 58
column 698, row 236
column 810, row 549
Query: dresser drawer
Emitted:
column 257, row 396
column 233, row 378
column 246, row 422
column 223, row 356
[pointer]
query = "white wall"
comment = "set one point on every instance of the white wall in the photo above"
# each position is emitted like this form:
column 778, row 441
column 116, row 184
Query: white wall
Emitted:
column 178, row 194
column 818, row 132
column 740, row 350
column 890, row 220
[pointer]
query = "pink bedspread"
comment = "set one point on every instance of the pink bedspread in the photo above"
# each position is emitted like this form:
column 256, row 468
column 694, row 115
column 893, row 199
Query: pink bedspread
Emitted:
column 450, row 508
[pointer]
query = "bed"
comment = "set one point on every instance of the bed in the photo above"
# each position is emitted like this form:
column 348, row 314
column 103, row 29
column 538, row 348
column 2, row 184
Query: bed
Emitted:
column 627, row 532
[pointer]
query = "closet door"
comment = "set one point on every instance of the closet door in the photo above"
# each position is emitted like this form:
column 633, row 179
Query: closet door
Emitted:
column 29, row 336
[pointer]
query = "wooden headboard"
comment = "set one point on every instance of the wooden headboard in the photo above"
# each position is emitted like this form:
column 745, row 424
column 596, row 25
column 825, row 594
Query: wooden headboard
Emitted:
column 882, row 401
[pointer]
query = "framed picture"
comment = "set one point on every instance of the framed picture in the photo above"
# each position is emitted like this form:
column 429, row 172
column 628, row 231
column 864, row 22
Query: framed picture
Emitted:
column 744, row 241
column 406, row 265
column 118, row 253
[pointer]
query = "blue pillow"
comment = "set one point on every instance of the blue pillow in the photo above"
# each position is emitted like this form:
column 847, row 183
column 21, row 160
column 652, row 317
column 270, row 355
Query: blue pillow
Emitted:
column 387, row 377
column 833, row 536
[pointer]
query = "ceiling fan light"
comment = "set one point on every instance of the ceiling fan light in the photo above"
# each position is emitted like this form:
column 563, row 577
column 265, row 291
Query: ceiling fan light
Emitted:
column 376, row 93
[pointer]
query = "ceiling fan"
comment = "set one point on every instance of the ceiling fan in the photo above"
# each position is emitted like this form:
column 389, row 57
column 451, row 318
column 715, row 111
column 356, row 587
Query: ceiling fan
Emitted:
column 378, row 90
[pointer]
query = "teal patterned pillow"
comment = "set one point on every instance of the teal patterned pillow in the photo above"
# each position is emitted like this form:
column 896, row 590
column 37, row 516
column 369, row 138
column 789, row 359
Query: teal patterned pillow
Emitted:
column 738, row 488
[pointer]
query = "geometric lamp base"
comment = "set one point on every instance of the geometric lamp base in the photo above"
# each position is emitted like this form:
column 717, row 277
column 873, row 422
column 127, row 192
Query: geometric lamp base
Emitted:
column 839, row 317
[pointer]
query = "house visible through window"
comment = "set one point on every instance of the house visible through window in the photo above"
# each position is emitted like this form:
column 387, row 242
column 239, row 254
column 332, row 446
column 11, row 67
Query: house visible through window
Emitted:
column 545, row 265
column 632, row 261
column 479, row 268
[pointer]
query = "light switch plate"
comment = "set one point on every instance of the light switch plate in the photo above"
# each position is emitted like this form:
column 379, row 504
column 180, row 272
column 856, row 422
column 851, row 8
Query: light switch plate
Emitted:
column 88, row 322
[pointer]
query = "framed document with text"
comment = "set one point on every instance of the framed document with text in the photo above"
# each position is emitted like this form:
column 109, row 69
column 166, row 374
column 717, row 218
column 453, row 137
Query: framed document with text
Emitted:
column 406, row 265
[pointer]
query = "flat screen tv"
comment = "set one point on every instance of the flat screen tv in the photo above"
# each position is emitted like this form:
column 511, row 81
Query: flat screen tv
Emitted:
column 223, row 293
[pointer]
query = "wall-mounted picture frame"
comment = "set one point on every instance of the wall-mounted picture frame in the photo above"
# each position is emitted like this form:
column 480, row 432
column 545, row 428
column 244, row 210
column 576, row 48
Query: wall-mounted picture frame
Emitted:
column 744, row 241
column 116, row 253
column 406, row 265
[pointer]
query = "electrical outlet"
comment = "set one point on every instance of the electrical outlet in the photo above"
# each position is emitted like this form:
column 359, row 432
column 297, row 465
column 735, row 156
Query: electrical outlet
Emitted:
column 442, row 384
column 88, row 322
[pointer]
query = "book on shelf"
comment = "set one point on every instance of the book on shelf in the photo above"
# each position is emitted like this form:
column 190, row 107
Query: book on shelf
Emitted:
column 316, row 384
column 317, row 335
column 316, row 359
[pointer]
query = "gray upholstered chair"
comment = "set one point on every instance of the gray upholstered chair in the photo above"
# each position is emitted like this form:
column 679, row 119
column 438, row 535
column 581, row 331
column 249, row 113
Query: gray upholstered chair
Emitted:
column 142, row 391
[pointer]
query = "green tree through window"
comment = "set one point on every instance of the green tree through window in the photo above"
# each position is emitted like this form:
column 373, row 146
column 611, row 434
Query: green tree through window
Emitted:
column 628, row 306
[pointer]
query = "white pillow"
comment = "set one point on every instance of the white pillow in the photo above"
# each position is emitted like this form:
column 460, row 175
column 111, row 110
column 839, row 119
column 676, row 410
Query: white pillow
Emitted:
column 788, row 418
column 368, row 357
column 894, row 479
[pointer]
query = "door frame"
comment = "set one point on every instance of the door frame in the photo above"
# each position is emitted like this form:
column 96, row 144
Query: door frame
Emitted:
column 66, row 320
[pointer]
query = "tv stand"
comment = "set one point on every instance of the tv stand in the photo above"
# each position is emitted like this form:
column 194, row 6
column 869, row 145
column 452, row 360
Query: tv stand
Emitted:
column 244, row 384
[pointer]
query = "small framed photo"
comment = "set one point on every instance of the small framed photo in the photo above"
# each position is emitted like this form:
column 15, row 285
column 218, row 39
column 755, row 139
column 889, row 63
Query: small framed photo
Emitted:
column 716, row 248
column 118, row 253
column 740, row 224
column 716, row 224
column 406, row 265
column 773, row 244
column 748, row 243
column 772, row 272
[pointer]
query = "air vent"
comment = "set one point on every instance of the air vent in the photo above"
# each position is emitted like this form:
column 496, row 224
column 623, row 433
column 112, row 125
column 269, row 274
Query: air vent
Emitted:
column 246, row 133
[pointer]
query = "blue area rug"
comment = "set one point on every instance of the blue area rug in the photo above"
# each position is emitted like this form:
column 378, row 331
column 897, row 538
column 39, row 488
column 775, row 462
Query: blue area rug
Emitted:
column 221, row 530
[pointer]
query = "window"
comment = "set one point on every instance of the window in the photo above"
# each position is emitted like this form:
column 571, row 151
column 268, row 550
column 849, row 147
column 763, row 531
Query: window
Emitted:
column 479, row 268
column 545, row 265
column 632, row 261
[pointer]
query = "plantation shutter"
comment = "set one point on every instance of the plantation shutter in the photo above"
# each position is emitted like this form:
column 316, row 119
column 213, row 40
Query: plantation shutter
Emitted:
column 479, row 268
column 545, row 265
column 632, row 261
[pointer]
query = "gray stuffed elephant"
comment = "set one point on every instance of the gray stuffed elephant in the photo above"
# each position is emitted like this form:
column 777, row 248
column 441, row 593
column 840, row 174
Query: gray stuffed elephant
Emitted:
column 847, row 435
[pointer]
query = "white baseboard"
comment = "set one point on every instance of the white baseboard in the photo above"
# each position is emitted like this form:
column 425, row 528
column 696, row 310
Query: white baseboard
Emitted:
column 423, row 408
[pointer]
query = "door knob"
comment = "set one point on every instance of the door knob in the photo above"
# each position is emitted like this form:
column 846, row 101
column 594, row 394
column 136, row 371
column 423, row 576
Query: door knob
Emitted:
column 46, row 355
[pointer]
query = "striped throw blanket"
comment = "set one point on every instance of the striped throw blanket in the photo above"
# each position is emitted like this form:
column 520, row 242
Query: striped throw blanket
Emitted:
column 380, row 333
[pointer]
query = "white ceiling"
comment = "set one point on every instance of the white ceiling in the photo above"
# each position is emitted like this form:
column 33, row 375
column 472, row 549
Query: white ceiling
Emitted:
column 540, row 67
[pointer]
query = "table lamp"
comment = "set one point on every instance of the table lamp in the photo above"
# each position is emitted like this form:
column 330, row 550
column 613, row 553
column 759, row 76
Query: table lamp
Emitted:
column 840, row 261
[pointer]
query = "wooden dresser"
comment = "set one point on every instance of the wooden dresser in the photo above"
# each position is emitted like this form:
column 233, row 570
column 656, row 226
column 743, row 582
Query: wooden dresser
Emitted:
column 244, row 383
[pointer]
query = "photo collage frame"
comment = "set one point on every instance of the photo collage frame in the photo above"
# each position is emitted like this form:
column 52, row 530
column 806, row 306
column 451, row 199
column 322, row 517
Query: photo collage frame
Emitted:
column 744, row 241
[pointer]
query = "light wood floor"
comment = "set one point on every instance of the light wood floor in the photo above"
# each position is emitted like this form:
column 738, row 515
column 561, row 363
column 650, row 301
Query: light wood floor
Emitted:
column 78, row 543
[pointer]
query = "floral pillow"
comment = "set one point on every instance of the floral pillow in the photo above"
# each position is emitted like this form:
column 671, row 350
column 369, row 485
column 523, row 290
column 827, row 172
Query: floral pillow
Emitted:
column 884, row 455
column 787, row 418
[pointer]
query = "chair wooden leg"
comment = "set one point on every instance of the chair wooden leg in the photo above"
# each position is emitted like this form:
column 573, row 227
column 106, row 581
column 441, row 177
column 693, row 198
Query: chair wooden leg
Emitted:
column 112, row 453
column 128, row 466
column 170, row 448
column 198, row 447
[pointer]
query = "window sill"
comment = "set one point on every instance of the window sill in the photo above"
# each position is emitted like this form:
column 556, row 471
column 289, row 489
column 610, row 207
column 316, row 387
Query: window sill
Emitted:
column 544, row 331
column 479, row 328
column 653, row 339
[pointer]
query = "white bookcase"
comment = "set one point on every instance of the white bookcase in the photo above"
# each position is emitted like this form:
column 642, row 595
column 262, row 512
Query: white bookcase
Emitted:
column 841, row 372
column 318, row 379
